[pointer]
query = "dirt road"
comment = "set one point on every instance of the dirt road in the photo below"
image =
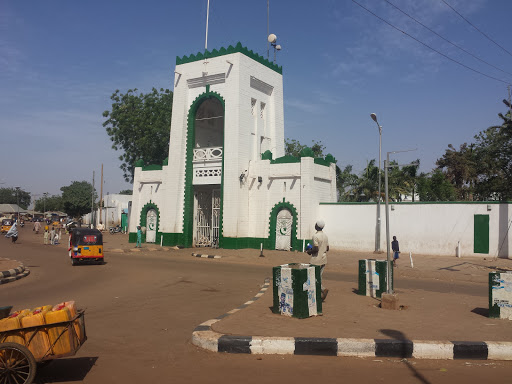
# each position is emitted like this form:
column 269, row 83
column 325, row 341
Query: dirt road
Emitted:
column 141, row 308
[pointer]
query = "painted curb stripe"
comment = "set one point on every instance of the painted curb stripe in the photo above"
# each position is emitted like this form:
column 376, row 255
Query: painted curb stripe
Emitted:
column 235, row 344
column 470, row 350
column 15, row 277
column 204, row 337
column 393, row 348
column 316, row 346
column 206, row 256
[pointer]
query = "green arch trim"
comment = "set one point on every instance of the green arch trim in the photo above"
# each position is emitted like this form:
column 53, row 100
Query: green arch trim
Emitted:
column 143, row 218
column 295, row 244
column 188, row 206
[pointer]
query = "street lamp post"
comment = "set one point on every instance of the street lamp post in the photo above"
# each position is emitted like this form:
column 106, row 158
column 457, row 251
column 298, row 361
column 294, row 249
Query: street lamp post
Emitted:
column 377, row 230
column 386, row 167
column 44, row 206
column 18, row 203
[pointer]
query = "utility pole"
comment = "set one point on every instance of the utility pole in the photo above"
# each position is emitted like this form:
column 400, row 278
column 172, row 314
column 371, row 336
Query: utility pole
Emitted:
column 101, row 193
column 268, row 31
column 92, row 203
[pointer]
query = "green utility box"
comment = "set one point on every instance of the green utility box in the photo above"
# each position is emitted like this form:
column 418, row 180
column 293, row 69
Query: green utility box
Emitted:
column 373, row 277
column 500, row 295
column 297, row 290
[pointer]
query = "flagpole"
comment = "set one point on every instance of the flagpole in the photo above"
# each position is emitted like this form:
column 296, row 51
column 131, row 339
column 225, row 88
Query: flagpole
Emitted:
column 207, row 15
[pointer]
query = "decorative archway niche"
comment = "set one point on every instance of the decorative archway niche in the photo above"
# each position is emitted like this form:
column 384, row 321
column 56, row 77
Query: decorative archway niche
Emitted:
column 273, row 223
column 143, row 218
column 215, row 100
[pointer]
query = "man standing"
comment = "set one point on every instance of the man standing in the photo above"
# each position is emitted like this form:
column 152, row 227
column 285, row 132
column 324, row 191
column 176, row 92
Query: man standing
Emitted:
column 396, row 250
column 139, row 237
column 319, row 252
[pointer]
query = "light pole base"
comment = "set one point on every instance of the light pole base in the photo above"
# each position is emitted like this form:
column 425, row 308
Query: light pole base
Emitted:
column 390, row 301
column 378, row 251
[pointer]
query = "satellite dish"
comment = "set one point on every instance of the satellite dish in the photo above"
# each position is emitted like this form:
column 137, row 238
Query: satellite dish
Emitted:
column 278, row 47
column 272, row 38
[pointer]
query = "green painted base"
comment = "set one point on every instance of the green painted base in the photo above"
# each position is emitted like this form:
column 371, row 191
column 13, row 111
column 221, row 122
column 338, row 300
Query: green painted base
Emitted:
column 172, row 239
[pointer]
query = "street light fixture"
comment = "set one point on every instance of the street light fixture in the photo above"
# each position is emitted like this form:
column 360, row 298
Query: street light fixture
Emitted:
column 272, row 40
column 377, row 229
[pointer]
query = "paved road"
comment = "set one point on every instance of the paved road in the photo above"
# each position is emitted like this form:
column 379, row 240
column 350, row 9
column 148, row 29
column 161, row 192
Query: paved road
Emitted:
column 142, row 308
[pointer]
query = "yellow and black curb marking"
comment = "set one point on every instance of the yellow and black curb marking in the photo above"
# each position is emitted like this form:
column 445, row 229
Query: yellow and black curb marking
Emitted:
column 13, row 274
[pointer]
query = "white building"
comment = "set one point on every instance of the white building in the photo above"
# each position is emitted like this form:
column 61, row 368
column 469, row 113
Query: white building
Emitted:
column 114, row 212
column 227, row 181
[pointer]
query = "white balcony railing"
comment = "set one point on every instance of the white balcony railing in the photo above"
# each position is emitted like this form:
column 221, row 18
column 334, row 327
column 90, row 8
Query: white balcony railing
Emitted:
column 207, row 154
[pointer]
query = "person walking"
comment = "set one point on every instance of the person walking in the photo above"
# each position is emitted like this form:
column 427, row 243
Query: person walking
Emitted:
column 13, row 233
column 139, row 237
column 45, row 236
column 52, row 236
column 37, row 227
column 396, row 251
column 319, row 251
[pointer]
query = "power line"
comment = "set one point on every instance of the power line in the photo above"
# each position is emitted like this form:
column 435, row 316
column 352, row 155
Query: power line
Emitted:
column 429, row 47
column 469, row 22
column 448, row 41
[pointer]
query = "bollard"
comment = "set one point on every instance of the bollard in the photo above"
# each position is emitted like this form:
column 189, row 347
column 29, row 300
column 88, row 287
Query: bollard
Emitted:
column 410, row 257
column 261, row 250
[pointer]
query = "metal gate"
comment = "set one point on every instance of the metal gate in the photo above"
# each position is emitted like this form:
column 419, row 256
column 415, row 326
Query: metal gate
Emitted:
column 151, row 220
column 207, row 218
column 284, row 230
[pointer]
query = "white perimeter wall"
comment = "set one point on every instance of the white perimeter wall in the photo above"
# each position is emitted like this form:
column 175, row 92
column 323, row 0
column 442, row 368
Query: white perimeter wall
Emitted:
column 421, row 228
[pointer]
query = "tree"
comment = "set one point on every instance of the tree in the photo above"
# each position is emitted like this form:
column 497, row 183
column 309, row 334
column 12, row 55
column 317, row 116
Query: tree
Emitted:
column 51, row 203
column 126, row 192
column 76, row 198
column 460, row 168
column 346, row 181
column 139, row 126
column 494, row 160
column 293, row 148
column 12, row 196
column 435, row 187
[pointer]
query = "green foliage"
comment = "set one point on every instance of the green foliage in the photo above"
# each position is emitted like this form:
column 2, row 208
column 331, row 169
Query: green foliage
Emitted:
column 51, row 203
column 346, row 182
column 460, row 168
column 139, row 126
column 294, row 148
column 76, row 198
column 436, row 187
column 9, row 196
column 126, row 192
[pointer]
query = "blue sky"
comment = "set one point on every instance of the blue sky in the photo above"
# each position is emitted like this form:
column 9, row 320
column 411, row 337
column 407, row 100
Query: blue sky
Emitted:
column 61, row 60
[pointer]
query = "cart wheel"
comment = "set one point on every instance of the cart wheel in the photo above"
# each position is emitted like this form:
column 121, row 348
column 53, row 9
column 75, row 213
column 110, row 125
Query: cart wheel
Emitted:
column 17, row 364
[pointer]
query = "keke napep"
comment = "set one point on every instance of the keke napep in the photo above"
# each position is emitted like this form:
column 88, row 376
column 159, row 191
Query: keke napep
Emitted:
column 85, row 245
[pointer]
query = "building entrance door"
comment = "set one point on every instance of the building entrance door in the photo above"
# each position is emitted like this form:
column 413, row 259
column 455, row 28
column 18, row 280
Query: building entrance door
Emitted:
column 207, row 217
column 151, row 221
column 284, row 230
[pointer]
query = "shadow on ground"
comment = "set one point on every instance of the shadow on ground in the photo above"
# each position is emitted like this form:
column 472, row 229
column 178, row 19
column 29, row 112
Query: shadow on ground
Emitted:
column 62, row 370
column 405, row 347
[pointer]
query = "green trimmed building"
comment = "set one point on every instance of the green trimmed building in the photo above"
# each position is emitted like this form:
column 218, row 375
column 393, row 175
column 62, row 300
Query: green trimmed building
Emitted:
column 227, row 182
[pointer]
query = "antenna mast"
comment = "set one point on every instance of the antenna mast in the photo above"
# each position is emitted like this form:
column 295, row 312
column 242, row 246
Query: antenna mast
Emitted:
column 268, row 44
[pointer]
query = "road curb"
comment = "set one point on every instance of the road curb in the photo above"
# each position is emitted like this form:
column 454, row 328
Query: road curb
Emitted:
column 206, row 256
column 14, row 274
column 203, row 336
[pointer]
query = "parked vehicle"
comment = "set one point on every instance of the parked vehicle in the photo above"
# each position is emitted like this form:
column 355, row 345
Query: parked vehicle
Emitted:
column 85, row 245
column 116, row 229
column 6, row 225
